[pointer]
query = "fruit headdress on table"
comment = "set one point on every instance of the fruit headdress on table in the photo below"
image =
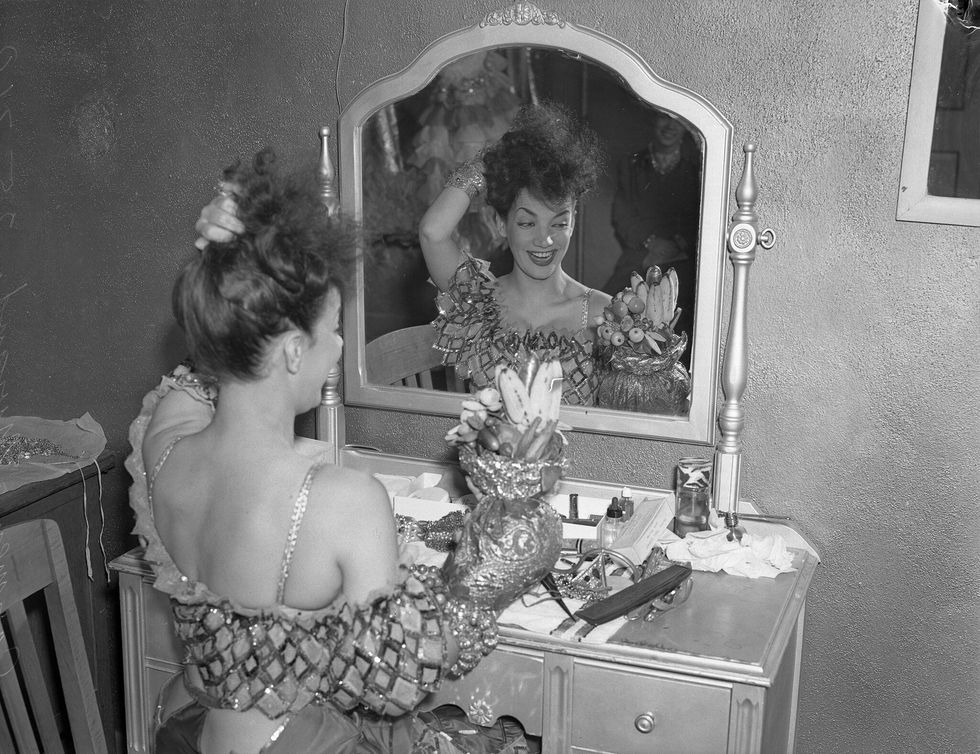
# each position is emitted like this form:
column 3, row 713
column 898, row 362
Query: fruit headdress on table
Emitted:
column 509, row 437
column 637, row 350
column 519, row 417
column 513, row 453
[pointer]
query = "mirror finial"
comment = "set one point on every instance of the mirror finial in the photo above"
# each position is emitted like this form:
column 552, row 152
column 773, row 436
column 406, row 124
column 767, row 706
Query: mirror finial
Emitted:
column 327, row 175
column 522, row 14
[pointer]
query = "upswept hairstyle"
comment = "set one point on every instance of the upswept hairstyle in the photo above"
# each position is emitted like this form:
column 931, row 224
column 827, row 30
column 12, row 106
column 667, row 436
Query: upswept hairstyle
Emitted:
column 232, row 298
column 547, row 151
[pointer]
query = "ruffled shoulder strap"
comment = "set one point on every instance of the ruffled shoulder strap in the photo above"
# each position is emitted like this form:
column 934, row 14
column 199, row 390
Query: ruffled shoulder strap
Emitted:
column 168, row 578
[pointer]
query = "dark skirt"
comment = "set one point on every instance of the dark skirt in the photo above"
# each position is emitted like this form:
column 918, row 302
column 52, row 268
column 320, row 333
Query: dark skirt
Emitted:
column 317, row 729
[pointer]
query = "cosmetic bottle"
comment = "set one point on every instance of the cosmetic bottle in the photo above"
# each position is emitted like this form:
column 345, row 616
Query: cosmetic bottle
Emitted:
column 626, row 503
column 573, row 505
column 612, row 525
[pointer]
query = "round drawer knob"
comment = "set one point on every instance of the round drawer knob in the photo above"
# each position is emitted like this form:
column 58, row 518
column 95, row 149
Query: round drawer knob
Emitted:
column 645, row 722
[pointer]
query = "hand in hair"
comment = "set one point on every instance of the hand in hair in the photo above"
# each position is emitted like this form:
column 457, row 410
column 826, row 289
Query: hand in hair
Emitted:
column 219, row 221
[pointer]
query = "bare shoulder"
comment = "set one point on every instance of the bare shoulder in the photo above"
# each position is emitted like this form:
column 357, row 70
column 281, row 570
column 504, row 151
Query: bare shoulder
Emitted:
column 352, row 520
column 176, row 415
column 343, row 490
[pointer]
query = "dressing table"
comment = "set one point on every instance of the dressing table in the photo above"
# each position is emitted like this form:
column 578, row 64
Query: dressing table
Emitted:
column 719, row 673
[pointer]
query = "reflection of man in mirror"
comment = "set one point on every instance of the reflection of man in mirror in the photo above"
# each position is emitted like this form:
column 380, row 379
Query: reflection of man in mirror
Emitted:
column 656, row 210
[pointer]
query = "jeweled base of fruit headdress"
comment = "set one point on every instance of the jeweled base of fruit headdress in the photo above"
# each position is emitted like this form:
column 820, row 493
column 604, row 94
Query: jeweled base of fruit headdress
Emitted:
column 637, row 350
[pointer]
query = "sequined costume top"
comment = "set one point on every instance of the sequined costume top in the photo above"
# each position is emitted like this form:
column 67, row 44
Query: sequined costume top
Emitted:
column 474, row 336
column 280, row 659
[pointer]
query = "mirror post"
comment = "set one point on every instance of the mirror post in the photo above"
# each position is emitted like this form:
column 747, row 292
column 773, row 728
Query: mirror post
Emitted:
column 330, row 413
column 743, row 239
column 327, row 175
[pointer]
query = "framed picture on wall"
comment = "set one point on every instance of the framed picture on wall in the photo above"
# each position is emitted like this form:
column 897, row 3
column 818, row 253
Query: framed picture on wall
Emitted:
column 940, row 176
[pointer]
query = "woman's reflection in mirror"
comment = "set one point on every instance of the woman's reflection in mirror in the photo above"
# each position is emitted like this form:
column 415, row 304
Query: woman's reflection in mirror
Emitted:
column 656, row 210
column 533, row 179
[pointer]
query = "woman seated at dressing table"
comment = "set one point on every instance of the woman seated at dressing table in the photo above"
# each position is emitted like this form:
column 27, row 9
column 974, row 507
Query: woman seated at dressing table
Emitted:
column 248, row 529
column 532, row 179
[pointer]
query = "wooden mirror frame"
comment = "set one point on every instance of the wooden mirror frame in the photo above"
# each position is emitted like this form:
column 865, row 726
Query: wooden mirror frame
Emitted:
column 524, row 25
column 915, row 203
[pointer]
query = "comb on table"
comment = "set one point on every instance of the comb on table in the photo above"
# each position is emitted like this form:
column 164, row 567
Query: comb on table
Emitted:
column 637, row 594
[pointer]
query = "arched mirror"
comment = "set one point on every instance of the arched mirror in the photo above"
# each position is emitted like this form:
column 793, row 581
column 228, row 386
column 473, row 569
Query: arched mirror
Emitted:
column 399, row 138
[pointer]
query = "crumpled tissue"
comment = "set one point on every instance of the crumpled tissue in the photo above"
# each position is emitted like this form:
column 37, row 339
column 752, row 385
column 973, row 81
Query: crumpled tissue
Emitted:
column 754, row 556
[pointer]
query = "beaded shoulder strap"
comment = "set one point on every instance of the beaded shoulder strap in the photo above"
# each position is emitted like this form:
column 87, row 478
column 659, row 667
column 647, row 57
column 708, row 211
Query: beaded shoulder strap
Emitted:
column 585, row 309
column 152, row 476
column 299, row 510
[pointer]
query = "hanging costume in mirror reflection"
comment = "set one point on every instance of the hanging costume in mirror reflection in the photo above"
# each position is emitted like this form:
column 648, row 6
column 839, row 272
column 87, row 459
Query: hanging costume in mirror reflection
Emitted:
column 472, row 105
column 474, row 335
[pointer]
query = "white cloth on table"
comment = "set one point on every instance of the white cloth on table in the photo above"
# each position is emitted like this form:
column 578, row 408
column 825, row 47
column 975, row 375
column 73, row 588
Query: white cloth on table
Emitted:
column 753, row 557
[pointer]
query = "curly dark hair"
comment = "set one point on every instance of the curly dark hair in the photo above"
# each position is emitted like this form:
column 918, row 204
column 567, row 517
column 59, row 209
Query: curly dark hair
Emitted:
column 547, row 151
column 233, row 297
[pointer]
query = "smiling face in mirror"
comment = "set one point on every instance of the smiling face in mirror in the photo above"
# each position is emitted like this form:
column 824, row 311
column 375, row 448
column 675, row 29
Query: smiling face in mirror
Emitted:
column 537, row 234
column 645, row 209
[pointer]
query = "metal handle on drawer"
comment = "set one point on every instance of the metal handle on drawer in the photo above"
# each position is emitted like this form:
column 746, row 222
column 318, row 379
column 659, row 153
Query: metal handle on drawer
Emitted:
column 645, row 722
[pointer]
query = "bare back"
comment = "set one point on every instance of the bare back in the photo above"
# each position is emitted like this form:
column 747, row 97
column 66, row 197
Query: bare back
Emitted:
column 225, row 512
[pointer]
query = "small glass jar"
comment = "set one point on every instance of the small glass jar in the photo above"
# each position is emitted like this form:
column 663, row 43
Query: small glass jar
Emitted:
column 611, row 525
column 692, row 495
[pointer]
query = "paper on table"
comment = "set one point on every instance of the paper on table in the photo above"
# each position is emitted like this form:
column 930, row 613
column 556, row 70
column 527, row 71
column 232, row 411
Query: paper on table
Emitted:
column 753, row 557
column 535, row 612
column 419, row 497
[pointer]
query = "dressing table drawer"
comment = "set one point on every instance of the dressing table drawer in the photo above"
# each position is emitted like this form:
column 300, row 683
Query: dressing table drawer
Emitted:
column 635, row 711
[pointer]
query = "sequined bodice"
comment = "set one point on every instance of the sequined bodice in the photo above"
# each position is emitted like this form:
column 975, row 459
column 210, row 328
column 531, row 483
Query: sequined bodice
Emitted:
column 277, row 660
column 474, row 337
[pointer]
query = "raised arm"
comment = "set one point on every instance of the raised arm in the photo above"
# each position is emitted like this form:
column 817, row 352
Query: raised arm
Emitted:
column 437, row 227
column 219, row 221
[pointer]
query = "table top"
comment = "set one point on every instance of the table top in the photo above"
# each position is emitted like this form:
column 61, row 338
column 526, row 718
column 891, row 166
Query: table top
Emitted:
column 731, row 627
column 31, row 492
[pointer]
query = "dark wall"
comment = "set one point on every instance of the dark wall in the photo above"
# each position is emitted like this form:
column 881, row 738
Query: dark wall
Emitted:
column 862, row 402
column 116, row 119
